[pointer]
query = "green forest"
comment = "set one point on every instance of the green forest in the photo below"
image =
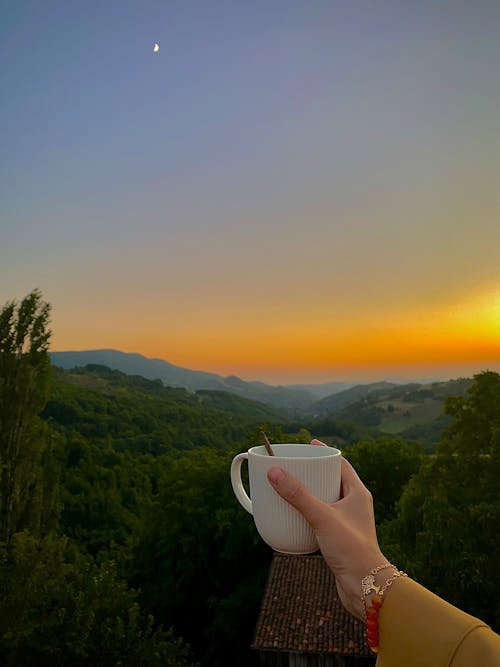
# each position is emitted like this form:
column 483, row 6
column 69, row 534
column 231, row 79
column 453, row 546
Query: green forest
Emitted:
column 121, row 542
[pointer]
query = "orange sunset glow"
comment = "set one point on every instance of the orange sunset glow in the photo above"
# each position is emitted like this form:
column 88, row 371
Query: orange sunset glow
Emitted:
column 461, row 340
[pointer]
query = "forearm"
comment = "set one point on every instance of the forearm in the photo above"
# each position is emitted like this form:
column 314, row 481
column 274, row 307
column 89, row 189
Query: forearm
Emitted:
column 419, row 629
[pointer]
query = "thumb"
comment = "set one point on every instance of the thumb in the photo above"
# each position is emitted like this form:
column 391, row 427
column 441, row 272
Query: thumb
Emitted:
column 294, row 492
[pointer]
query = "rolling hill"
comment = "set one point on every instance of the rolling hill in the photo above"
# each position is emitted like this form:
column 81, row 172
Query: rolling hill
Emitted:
column 142, row 416
column 413, row 411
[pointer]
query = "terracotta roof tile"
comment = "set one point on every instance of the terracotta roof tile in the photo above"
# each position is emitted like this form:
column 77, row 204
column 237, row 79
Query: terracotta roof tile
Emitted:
column 302, row 613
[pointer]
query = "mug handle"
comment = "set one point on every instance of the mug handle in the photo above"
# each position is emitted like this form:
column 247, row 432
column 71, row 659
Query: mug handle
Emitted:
column 238, row 488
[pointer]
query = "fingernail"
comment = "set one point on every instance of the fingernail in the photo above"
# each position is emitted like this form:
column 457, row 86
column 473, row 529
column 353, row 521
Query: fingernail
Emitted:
column 276, row 476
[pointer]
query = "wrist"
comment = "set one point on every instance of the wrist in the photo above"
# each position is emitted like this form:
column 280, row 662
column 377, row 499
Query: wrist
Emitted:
column 349, row 584
column 375, row 582
column 375, row 586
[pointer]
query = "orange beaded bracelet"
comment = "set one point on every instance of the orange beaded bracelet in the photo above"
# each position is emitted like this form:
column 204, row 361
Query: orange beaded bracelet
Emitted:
column 372, row 612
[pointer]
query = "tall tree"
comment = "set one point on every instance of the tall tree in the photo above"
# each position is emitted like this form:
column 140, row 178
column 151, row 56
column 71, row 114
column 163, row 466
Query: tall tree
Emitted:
column 24, row 384
column 446, row 533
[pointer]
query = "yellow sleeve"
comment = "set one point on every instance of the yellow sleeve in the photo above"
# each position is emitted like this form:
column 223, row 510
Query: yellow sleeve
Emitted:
column 419, row 629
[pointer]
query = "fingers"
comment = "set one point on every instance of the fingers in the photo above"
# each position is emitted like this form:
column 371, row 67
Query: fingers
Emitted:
column 350, row 479
column 290, row 489
column 317, row 442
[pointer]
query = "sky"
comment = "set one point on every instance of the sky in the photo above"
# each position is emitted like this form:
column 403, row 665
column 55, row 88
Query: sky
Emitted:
column 289, row 191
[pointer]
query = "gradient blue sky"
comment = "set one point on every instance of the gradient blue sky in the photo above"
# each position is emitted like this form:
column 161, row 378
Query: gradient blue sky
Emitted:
column 287, row 191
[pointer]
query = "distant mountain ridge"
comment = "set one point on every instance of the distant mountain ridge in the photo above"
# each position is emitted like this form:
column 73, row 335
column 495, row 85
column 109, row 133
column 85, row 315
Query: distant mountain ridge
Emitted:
column 334, row 403
column 413, row 410
column 294, row 397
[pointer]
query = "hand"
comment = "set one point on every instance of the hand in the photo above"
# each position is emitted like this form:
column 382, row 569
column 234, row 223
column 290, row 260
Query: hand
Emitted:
column 345, row 530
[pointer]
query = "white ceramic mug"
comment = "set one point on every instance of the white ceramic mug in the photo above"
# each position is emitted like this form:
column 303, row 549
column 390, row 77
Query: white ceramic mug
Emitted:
column 279, row 524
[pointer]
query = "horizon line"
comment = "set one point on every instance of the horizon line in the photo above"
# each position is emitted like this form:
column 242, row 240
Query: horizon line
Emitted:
column 400, row 377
